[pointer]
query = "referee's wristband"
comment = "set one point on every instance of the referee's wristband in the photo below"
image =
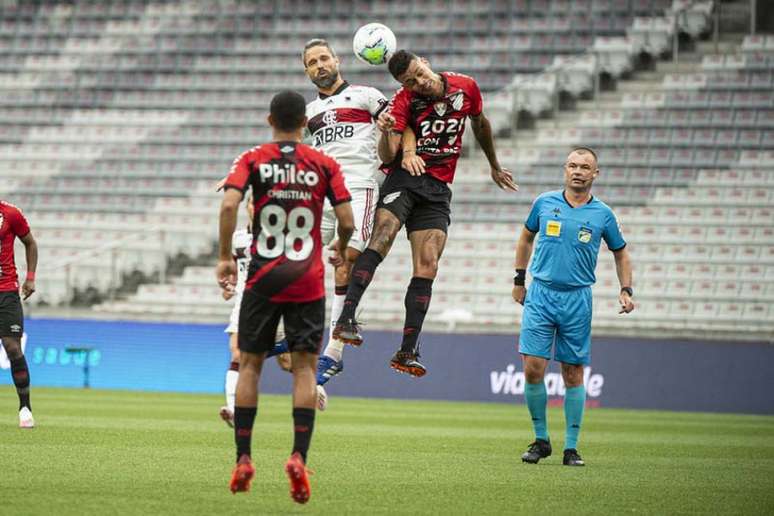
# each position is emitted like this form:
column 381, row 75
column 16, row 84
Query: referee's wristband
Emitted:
column 519, row 276
column 628, row 290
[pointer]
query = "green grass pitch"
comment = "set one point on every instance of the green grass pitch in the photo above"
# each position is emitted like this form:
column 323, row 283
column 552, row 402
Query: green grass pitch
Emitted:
column 111, row 452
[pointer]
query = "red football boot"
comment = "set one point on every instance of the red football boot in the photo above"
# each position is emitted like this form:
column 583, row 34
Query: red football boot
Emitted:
column 242, row 476
column 298, row 477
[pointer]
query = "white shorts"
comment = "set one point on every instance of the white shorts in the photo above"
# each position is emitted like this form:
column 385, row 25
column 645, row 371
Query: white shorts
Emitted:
column 363, row 208
column 233, row 323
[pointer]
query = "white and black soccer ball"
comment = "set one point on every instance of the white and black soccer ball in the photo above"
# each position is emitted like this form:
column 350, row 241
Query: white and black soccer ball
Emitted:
column 374, row 44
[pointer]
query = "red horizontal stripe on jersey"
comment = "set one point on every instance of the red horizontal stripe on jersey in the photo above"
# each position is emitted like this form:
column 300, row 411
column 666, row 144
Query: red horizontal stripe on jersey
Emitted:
column 343, row 116
column 353, row 116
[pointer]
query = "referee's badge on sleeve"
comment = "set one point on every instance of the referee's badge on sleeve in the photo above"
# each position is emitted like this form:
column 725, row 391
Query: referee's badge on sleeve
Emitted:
column 553, row 228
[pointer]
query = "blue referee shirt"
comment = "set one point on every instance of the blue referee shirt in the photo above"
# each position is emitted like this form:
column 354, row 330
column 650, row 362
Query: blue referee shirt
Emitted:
column 568, row 244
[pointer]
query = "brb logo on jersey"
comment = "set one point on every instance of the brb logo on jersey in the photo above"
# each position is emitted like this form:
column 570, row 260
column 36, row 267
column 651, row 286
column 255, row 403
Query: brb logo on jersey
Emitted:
column 332, row 130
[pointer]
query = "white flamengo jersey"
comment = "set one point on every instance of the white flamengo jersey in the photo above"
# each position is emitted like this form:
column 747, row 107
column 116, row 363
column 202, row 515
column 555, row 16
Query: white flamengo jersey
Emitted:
column 343, row 125
column 240, row 248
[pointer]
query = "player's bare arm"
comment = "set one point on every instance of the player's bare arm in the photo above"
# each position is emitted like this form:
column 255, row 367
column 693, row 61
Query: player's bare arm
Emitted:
column 623, row 268
column 523, row 253
column 414, row 164
column 345, row 226
column 483, row 131
column 31, row 253
column 226, row 270
column 389, row 141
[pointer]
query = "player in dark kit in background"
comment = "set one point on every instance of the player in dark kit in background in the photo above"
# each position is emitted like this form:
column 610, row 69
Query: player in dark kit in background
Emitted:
column 435, row 106
column 12, row 225
column 289, row 182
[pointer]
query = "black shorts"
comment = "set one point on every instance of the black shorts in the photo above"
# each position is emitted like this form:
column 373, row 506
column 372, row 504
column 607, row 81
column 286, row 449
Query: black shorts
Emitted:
column 11, row 315
column 259, row 317
column 419, row 202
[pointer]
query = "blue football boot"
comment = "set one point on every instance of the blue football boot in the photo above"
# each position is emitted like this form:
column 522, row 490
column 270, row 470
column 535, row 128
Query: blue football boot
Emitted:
column 327, row 368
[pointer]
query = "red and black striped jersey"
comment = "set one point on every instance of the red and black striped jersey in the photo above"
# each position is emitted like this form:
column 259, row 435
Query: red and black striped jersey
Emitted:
column 12, row 225
column 289, row 181
column 438, row 123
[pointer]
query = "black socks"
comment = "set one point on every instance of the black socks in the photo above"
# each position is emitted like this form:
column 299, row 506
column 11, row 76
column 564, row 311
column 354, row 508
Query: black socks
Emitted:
column 362, row 273
column 21, row 379
column 417, row 301
column 303, row 425
column 244, row 418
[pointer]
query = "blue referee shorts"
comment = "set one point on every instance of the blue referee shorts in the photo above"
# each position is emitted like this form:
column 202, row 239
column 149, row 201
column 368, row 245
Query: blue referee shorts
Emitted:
column 561, row 316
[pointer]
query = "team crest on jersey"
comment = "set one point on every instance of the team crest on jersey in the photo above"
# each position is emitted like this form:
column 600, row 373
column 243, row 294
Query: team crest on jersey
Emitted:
column 440, row 108
column 329, row 118
column 584, row 235
column 456, row 101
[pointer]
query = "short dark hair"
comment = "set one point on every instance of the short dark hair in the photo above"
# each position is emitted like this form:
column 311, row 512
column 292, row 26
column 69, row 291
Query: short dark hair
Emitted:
column 316, row 42
column 584, row 150
column 287, row 110
column 400, row 62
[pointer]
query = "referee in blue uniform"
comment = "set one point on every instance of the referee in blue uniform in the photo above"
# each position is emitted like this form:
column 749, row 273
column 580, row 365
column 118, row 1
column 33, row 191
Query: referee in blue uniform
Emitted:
column 557, row 306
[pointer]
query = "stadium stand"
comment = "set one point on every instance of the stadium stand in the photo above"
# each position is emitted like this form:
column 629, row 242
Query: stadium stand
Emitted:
column 117, row 118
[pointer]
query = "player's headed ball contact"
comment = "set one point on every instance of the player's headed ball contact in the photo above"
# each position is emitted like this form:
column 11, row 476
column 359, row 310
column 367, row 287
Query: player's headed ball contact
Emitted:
column 374, row 44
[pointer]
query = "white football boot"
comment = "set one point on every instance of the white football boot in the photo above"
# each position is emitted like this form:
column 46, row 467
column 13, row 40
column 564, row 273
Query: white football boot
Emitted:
column 322, row 398
column 25, row 418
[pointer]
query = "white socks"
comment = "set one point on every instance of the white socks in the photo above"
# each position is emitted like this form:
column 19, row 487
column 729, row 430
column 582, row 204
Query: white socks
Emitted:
column 335, row 348
column 231, row 383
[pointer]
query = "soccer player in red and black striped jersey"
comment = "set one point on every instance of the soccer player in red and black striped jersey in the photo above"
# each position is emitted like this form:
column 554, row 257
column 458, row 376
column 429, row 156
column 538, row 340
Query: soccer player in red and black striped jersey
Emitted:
column 13, row 224
column 436, row 107
column 285, row 278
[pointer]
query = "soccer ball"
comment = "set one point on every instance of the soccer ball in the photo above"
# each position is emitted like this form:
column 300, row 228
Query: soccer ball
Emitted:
column 374, row 44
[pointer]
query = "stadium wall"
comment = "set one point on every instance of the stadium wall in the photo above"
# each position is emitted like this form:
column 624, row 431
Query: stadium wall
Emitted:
column 625, row 372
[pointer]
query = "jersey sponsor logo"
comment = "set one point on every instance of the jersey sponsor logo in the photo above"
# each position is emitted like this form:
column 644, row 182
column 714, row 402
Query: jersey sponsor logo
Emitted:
column 553, row 228
column 431, row 132
column 584, row 235
column 332, row 133
column 390, row 197
column 274, row 173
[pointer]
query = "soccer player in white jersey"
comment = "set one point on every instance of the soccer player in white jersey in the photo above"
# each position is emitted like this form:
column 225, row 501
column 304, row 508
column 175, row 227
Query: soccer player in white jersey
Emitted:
column 241, row 242
column 342, row 123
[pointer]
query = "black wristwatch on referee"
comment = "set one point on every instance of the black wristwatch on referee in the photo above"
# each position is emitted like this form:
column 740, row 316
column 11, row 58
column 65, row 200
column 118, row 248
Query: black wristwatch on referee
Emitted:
column 519, row 276
column 628, row 290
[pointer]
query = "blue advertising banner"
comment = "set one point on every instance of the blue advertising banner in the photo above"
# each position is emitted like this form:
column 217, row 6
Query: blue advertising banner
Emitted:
column 625, row 372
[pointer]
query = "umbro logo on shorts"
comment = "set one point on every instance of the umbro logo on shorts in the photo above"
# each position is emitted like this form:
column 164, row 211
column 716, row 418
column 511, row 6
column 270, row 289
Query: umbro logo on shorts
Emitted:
column 391, row 197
